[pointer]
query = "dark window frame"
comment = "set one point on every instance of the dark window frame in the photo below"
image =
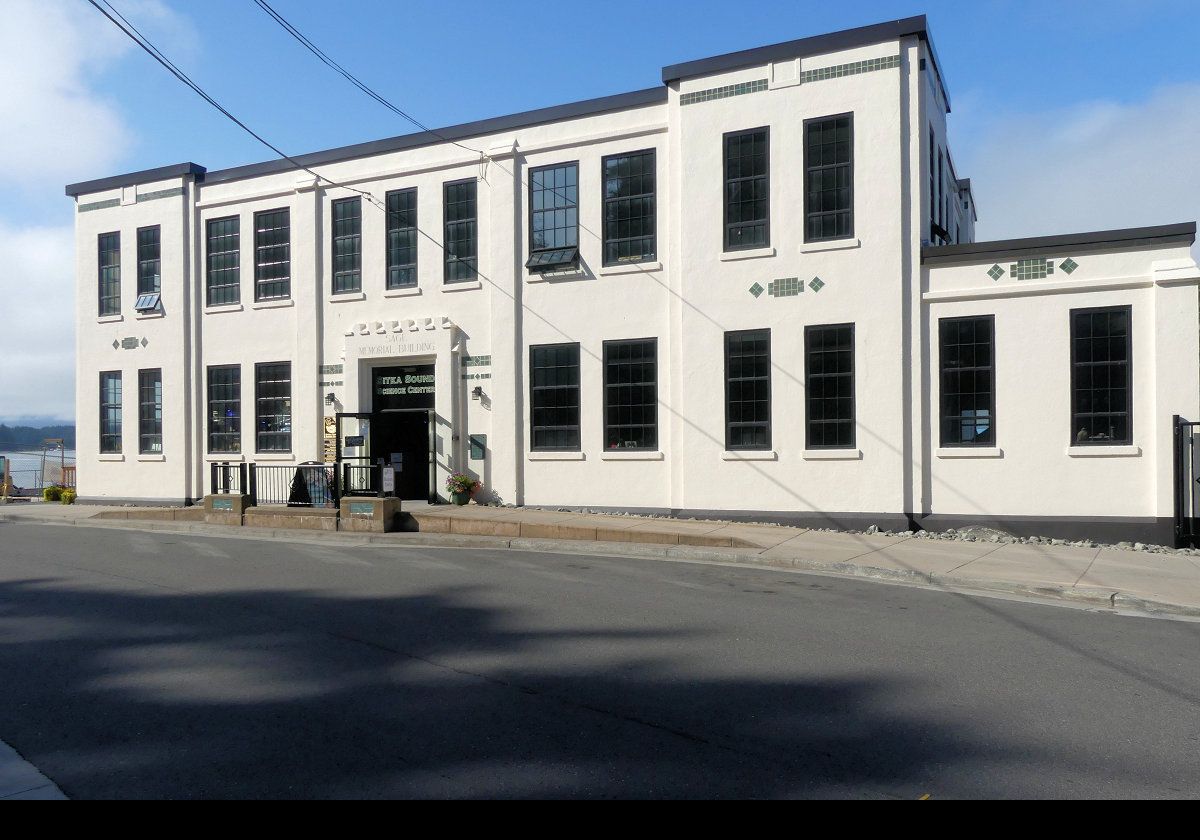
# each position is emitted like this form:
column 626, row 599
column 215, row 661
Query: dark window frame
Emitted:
column 946, row 420
column 851, row 422
column 111, row 410
column 108, row 286
column 234, row 270
column 535, row 390
column 726, row 181
column 347, row 245
column 610, row 387
column 149, row 260
column 150, row 411
column 396, row 269
column 449, row 259
column 260, row 265
column 809, row 169
column 1076, row 365
column 610, row 236
column 565, row 255
column 232, row 437
column 259, row 415
column 768, row 423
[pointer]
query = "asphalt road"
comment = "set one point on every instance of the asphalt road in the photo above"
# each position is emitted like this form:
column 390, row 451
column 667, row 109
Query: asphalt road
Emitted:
column 147, row 664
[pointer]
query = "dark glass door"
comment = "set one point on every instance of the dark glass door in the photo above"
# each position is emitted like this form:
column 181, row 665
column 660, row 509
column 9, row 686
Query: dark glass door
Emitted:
column 401, row 439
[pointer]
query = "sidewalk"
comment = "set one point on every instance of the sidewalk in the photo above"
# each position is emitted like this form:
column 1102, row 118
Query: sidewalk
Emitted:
column 1100, row 576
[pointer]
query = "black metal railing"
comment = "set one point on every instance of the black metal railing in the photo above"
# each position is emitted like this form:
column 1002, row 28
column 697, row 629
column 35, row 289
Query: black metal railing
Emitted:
column 224, row 477
column 362, row 479
column 295, row 485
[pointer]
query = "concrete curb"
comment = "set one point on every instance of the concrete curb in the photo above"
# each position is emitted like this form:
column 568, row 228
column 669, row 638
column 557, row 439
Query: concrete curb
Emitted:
column 1099, row 599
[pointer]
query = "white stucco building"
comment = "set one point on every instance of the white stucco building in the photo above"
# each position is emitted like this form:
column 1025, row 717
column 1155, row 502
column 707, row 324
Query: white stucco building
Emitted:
column 753, row 289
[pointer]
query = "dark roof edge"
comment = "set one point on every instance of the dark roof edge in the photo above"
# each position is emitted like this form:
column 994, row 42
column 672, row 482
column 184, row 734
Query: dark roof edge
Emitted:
column 524, row 119
column 1183, row 233
column 145, row 176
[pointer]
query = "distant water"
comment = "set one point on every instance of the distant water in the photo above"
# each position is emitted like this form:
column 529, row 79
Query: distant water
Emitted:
column 24, row 465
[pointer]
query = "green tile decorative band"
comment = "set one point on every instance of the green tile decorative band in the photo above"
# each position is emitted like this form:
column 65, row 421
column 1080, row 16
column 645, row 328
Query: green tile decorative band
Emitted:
column 151, row 196
column 476, row 376
column 99, row 205
column 785, row 287
column 1033, row 269
column 331, row 368
column 477, row 361
column 852, row 69
column 723, row 92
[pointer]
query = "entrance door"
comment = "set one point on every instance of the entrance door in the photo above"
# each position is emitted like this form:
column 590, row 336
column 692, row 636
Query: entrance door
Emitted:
column 401, row 438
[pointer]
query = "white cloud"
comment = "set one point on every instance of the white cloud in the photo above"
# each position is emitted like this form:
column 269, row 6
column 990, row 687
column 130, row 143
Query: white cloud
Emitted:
column 1094, row 166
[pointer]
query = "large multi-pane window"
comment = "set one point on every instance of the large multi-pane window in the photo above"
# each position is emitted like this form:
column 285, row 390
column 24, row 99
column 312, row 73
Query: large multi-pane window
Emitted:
column 402, row 238
column 553, row 217
column 748, row 389
column 225, row 408
column 1100, row 383
column 630, row 233
column 968, row 352
column 829, row 386
column 347, row 245
column 554, row 397
column 110, row 273
column 224, row 275
column 631, row 394
column 272, row 254
column 829, row 178
column 747, row 189
column 149, row 260
column 273, row 407
column 110, row 411
column 150, row 404
column 461, row 232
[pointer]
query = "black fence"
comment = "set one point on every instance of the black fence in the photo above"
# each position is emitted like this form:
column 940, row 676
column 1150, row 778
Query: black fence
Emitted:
column 298, row 485
column 227, row 478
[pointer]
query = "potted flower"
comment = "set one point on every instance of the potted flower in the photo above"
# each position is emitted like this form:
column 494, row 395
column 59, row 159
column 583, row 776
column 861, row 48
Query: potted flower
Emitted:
column 461, row 487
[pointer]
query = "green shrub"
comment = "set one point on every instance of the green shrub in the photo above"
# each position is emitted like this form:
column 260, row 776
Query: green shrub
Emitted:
column 68, row 497
column 53, row 493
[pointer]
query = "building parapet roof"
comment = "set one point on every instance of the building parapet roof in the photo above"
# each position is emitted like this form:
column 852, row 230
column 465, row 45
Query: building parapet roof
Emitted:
column 145, row 176
column 1143, row 237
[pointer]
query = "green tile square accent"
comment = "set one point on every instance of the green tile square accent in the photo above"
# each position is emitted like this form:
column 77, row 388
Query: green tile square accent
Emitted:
column 816, row 284
column 995, row 272
column 756, row 290
column 1068, row 265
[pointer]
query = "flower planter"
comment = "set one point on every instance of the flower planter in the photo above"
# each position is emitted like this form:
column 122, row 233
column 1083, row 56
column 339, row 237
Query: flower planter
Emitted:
column 460, row 498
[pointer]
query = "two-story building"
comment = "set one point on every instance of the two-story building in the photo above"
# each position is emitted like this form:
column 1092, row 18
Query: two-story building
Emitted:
column 751, row 291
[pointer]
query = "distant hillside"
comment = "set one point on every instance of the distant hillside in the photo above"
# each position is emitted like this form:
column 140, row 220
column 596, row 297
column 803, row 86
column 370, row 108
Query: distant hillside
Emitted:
column 31, row 437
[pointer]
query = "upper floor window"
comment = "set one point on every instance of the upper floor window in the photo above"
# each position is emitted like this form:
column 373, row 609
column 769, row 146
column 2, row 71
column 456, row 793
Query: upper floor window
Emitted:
column 748, row 389
column 631, row 394
column 150, row 407
column 630, row 226
column 829, row 178
column 968, row 396
column 149, row 275
column 461, row 230
column 224, row 275
column 747, row 189
column 553, row 217
column 554, row 397
column 225, row 409
column 110, row 411
column 1101, row 347
column 347, row 245
column 829, row 386
column 272, row 254
column 402, row 238
column 110, row 273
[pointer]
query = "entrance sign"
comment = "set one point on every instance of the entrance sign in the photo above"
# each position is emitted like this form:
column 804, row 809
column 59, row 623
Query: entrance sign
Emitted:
column 403, row 387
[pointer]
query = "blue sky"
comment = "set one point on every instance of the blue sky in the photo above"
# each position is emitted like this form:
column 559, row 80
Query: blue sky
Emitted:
column 1067, row 115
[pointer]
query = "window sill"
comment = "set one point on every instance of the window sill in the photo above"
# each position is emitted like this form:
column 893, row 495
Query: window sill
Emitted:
column 750, row 455
column 109, row 319
column 274, row 456
column 970, row 452
column 272, row 304
column 148, row 316
column 224, row 307
column 555, row 456
column 110, row 456
column 832, row 455
column 1102, row 451
column 233, row 458
column 347, row 296
column 406, row 291
column 631, row 455
column 462, row 286
column 150, row 457
column 830, row 245
column 748, row 254
column 630, row 268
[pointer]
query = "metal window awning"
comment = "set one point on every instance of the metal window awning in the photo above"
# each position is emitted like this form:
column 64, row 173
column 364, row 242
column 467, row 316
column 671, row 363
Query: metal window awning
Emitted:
column 147, row 302
column 553, row 259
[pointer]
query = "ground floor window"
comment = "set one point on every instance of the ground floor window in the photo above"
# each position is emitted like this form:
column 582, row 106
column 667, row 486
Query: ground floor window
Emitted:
column 273, row 406
column 829, row 386
column 748, row 389
column 150, row 406
column 968, row 398
column 631, row 394
column 225, row 409
column 1101, row 347
column 554, row 397
column 110, row 411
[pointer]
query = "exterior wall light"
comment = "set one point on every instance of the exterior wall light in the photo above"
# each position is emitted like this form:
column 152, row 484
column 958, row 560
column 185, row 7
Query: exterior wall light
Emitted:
column 329, row 398
column 477, row 392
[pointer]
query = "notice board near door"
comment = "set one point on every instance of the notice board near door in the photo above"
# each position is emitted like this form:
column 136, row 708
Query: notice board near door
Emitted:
column 403, row 387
